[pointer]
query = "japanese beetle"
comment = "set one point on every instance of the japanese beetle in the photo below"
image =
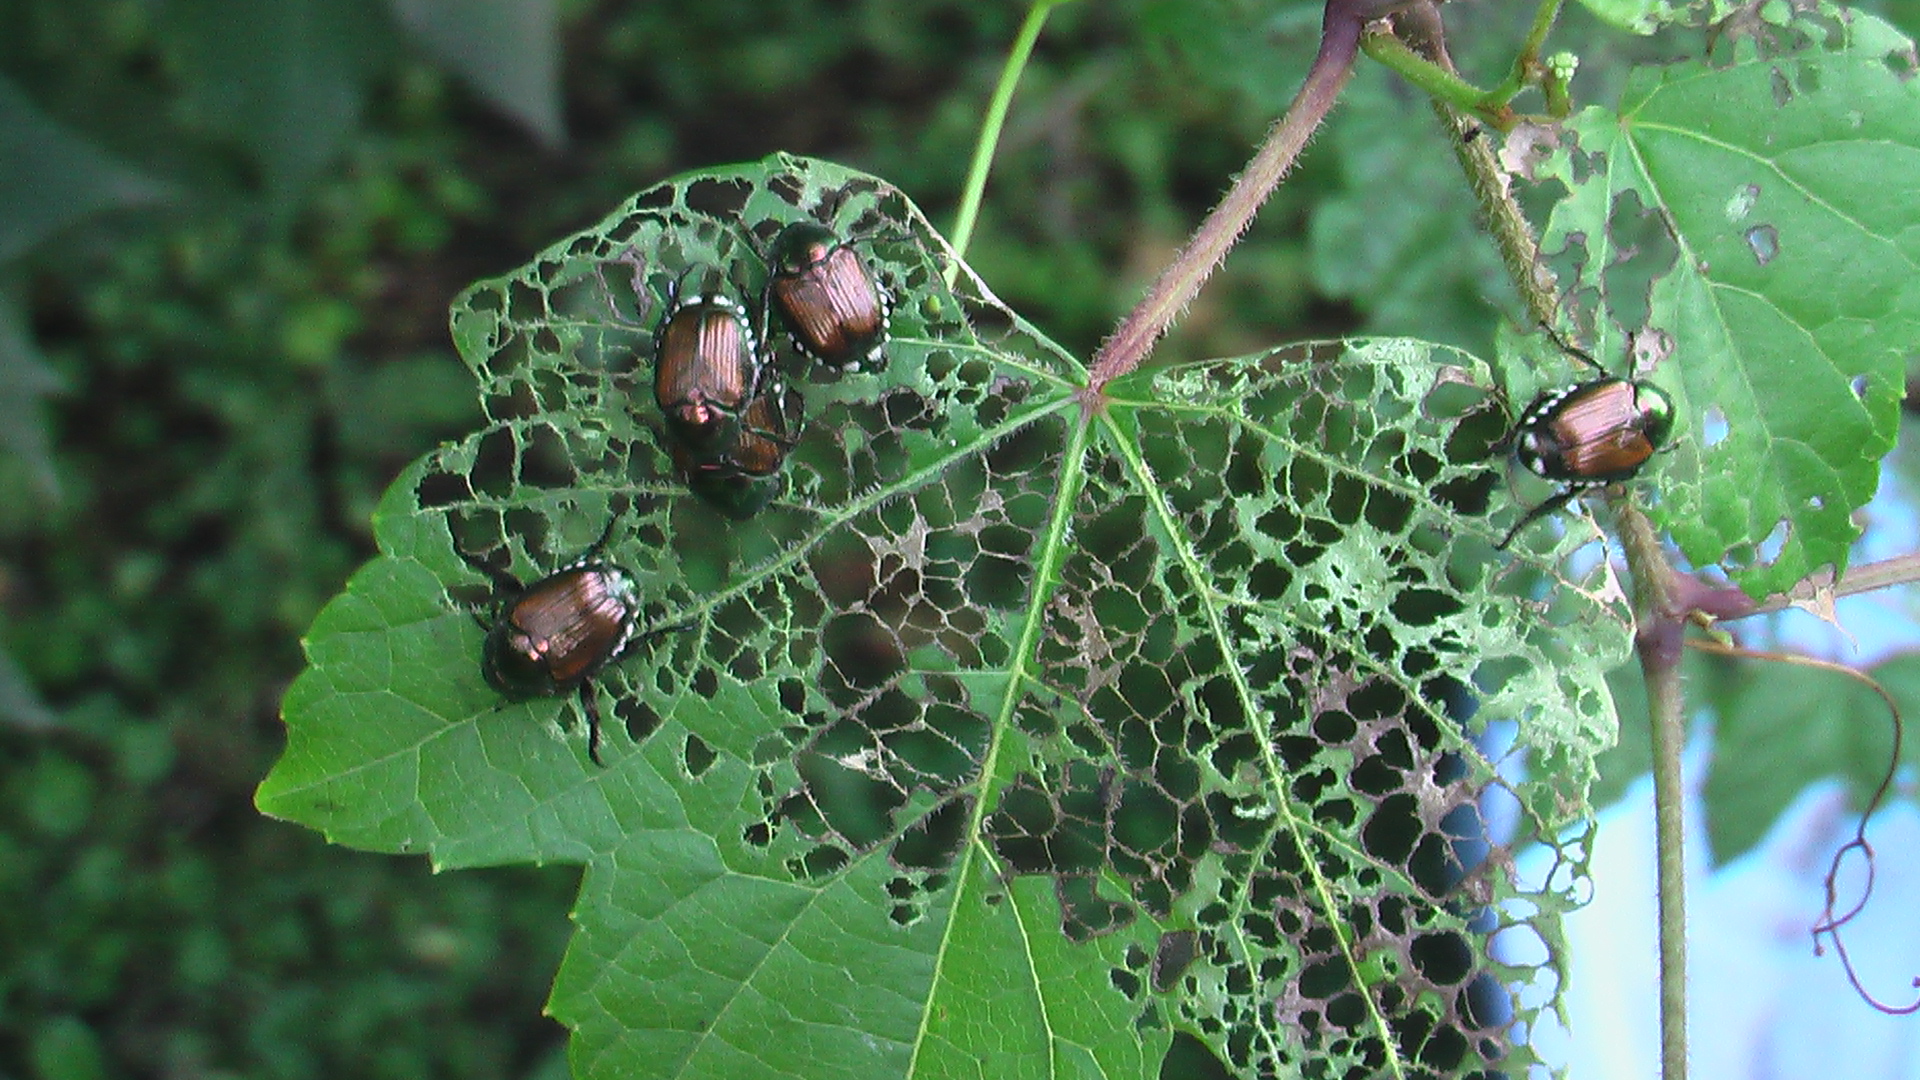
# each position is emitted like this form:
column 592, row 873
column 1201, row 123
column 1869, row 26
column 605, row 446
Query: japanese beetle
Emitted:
column 743, row 476
column 706, row 368
column 1583, row 436
column 556, row 634
column 825, row 293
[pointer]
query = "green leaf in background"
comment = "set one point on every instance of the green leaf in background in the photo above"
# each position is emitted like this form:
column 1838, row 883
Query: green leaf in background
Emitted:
column 509, row 50
column 61, row 179
column 1787, row 727
column 1231, row 44
column 286, row 79
column 1414, row 265
column 25, row 383
column 1776, row 194
column 20, row 704
column 1778, row 728
column 1015, row 735
column 68, row 1049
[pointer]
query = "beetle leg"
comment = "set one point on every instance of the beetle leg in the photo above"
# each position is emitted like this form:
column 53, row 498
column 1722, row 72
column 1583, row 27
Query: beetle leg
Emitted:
column 1573, row 350
column 784, row 437
column 1535, row 514
column 590, row 703
column 503, row 582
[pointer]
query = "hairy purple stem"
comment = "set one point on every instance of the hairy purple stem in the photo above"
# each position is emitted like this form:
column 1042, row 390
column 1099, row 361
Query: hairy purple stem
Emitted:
column 1177, row 286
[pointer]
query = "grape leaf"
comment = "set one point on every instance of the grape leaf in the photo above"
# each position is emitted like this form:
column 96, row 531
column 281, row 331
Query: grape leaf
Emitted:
column 1650, row 16
column 1773, row 195
column 1786, row 728
column 1025, row 727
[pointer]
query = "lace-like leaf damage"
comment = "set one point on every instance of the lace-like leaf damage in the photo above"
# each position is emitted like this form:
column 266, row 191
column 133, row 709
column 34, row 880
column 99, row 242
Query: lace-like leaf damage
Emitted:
column 1015, row 729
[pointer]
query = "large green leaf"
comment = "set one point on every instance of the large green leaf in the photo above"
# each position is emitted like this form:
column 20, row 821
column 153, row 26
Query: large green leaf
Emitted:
column 1785, row 728
column 1024, row 729
column 1761, row 216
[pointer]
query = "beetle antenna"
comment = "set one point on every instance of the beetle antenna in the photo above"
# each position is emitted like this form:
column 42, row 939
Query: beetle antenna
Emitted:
column 677, row 290
column 752, row 239
column 601, row 544
column 1509, row 438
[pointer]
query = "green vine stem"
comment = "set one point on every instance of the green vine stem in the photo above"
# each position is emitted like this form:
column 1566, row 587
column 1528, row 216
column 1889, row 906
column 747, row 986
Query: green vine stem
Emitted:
column 1439, row 83
column 1659, row 636
column 1526, row 63
column 975, row 188
column 1443, row 83
column 1660, row 626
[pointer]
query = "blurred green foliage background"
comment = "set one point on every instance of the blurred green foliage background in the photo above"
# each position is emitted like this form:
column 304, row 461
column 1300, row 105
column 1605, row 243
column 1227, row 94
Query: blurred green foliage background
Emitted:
column 229, row 231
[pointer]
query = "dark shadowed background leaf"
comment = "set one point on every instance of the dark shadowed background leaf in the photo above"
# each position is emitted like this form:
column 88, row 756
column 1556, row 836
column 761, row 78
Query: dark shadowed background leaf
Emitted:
column 508, row 50
column 25, row 384
column 1786, row 727
column 286, row 80
column 62, row 179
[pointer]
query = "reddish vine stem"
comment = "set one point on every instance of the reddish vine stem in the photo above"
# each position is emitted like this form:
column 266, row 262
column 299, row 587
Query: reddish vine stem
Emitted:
column 1176, row 287
column 1725, row 603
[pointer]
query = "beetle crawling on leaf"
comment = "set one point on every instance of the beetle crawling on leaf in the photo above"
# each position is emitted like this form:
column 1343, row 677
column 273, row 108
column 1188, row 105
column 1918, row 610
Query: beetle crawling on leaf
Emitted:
column 1587, row 435
column 556, row 634
column 826, row 294
column 729, row 423
column 707, row 366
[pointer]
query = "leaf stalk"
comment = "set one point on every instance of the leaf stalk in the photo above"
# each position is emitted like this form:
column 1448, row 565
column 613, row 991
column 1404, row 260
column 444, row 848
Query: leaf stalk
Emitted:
column 1180, row 282
column 995, row 122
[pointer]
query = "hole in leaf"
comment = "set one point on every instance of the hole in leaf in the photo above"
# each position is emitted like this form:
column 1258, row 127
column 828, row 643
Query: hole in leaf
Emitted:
column 719, row 198
column 1171, row 958
column 861, row 651
column 933, row 842
column 637, row 717
column 1713, row 426
column 437, row 489
column 698, row 756
column 493, row 464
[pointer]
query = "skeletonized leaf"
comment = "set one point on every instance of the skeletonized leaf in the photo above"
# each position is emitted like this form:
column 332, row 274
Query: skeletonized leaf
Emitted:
column 1023, row 729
